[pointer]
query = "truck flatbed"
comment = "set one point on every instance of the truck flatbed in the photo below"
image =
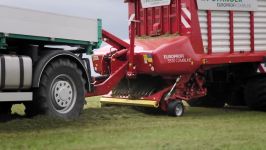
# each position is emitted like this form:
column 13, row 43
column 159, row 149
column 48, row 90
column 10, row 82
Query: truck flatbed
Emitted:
column 18, row 23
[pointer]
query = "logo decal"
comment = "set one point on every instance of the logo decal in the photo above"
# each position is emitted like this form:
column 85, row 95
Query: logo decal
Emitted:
column 177, row 58
column 147, row 58
column 154, row 3
column 238, row 5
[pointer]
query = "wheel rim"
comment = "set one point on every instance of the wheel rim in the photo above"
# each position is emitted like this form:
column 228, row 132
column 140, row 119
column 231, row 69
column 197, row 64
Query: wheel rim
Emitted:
column 63, row 93
column 179, row 110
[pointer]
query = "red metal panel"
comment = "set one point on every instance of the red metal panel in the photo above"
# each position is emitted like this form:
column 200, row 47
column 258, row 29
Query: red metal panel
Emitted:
column 137, row 12
column 209, row 22
column 161, row 19
column 173, row 17
column 149, row 20
column 165, row 19
column 222, row 58
column 142, row 17
column 194, row 33
column 168, row 19
column 252, row 32
column 157, row 20
column 142, row 21
column 144, row 25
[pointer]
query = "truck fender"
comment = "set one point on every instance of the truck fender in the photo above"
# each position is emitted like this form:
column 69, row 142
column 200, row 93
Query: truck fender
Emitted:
column 41, row 64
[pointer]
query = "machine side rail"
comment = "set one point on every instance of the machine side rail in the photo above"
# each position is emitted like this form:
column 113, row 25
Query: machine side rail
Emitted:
column 106, row 86
column 117, row 73
column 114, row 41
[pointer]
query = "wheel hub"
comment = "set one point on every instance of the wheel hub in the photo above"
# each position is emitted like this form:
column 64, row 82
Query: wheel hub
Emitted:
column 63, row 93
column 178, row 110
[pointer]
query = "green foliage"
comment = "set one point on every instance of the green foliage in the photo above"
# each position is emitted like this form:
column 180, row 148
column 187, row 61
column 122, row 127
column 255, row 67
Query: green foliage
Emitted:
column 125, row 128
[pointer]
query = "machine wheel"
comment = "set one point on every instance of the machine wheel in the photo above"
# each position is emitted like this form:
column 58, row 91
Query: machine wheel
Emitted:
column 237, row 97
column 215, row 98
column 61, row 92
column 255, row 93
column 207, row 101
column 176, row 109
column 5, row 108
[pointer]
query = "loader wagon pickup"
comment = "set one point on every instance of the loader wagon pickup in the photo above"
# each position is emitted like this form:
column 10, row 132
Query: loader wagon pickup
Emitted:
column 208, row 53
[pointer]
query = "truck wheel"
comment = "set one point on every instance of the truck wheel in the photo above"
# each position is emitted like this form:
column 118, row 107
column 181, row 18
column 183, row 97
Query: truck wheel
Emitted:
column 175, row 109
column 62, row 90
column 255, row 93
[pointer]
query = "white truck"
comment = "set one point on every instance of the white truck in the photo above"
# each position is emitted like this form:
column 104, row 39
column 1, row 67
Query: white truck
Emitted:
column 34, row 71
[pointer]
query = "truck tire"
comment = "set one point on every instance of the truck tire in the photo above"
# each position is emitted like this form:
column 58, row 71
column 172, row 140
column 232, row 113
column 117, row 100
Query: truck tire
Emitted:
column 61, row 92
column 255, row 93
column 175, row 109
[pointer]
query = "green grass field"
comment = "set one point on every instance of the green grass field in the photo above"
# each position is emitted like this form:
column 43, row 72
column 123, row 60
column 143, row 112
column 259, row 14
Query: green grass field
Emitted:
column 125, row 128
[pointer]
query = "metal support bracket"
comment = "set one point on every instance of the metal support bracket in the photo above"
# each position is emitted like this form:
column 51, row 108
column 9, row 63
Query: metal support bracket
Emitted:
column 170, row 93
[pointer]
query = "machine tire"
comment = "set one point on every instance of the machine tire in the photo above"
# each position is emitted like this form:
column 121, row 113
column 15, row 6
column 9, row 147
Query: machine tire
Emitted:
column 215, row 98
column 237, row 98
column 5, row 108
column 61, row 92
column 255, row 93
column 176, row 109
column 207, row 101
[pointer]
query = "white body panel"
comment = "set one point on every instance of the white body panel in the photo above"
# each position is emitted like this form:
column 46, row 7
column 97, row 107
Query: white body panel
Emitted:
column 221, row 29
column 242, row 31
column 35, row 23
column 154, row 3
column 242, row 5
column 260, row 27
column 16, row 96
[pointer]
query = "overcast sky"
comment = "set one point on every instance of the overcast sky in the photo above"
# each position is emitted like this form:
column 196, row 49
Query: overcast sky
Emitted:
column 112, row 12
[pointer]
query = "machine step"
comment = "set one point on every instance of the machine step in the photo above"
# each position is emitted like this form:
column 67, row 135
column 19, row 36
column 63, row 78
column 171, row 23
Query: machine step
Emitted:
column 119, row 101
